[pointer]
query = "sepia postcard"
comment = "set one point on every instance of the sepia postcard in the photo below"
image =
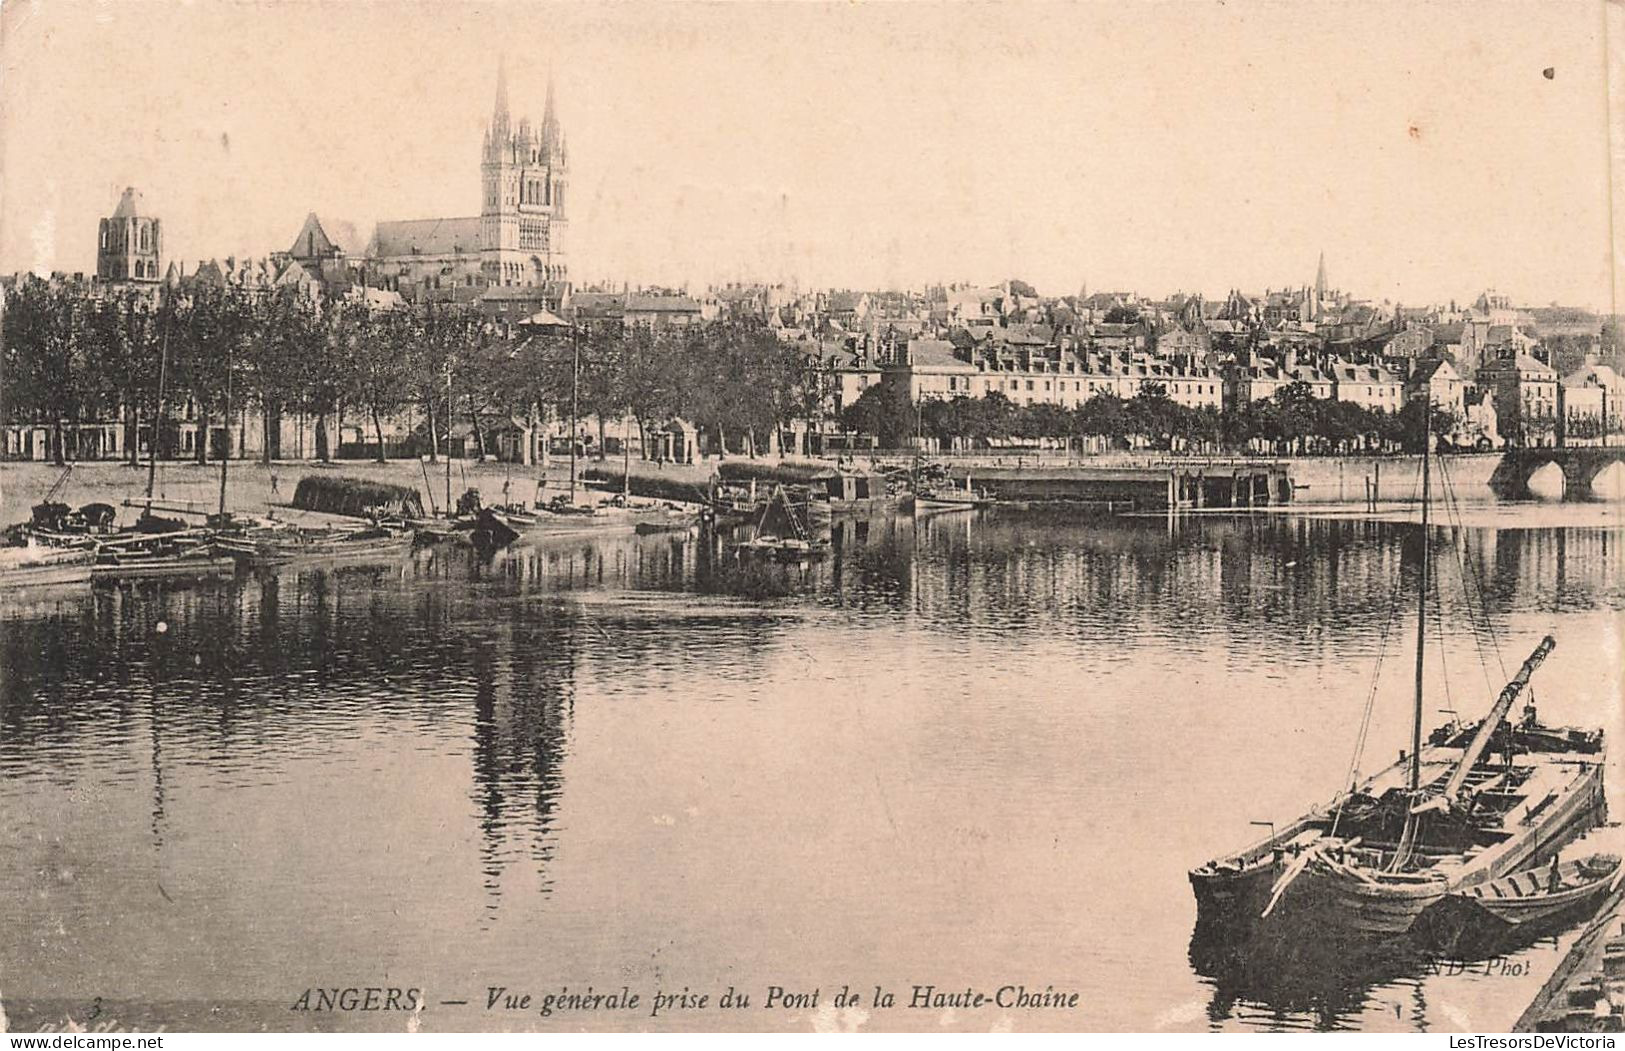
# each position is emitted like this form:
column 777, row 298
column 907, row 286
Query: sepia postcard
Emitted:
column 830, row 516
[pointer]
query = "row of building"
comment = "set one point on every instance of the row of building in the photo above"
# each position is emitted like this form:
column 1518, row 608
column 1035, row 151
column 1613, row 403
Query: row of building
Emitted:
column 1524, row 374
column 1516, row 394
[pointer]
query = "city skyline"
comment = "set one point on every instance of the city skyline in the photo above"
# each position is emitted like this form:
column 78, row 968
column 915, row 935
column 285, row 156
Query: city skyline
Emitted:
column 856, row 146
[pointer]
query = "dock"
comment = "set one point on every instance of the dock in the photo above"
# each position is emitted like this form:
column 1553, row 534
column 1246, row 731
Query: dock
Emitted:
column 1156, row 485
column 1586, row 993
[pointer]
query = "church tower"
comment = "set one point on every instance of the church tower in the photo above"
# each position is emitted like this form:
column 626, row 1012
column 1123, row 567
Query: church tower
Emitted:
column 130, row 243
column 524, row 174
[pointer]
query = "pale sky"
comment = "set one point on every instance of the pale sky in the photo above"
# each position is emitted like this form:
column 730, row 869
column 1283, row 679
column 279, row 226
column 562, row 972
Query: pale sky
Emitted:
column 1126, row 145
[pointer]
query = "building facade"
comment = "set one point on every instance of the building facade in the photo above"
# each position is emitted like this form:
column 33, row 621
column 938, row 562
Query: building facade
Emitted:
column 1525, row 393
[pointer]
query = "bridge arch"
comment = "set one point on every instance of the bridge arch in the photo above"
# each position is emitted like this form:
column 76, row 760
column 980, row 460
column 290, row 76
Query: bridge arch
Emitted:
column 1580, row 467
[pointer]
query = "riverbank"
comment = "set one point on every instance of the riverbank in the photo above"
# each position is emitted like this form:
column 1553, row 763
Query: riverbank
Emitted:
column 256, row 488
column 252, row 486
column 1585, row 994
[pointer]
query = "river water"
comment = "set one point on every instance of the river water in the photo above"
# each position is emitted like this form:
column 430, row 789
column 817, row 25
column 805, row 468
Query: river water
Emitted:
column 978, row 750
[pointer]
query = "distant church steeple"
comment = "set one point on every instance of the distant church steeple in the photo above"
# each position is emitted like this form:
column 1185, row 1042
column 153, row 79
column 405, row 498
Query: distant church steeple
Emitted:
column 499, row 113
column 550, row 122
column 1320, row 277
column 524, row 178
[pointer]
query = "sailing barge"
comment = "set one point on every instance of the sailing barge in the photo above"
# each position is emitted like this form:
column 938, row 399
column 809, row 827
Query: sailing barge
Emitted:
column 1469, row 806
column 1370, row 863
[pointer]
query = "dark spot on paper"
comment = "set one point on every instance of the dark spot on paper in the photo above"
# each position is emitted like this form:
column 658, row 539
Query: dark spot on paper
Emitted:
column 1414, row 132
column 225, row 141
column 1549, row 72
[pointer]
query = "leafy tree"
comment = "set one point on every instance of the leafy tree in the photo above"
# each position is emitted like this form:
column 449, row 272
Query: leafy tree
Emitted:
column 1343, row 424
column 372, row 362
column 45, row 361
column 884, row 411
column 1152, row 414
column 1103, row 416
column 122, row 344
column 1296, row 413
column 1411, row 425
column 212, row 325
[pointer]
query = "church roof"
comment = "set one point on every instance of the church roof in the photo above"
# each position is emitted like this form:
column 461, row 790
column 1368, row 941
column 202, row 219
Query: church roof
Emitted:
column 400, row 237
column 317, row 239
column 130, row 205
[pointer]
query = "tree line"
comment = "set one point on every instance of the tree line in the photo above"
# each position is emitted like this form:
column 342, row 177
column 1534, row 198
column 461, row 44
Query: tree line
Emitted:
column 1292, row 420
column 73, row 354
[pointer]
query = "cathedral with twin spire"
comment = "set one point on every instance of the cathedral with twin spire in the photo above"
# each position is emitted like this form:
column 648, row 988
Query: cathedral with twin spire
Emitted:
column 518, row 239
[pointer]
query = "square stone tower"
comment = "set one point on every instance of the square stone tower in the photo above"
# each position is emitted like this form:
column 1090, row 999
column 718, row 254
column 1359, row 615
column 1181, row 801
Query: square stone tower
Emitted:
column 130, row 244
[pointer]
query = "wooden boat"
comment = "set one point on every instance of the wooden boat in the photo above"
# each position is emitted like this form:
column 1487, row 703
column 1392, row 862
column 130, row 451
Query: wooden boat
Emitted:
column 283, row 544
column 652, row 527
column 784, row 532
column 184, row 553
column 945, row 496
column 1477, row 920
column 1444, row 819
column 38, row 565
column 783, row 549
column 1336, row 865
column 950, row 500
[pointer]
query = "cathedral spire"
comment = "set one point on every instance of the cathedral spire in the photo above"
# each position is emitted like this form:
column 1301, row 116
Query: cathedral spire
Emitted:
column 550, row 120
column 1320, row 277
column 499, row 114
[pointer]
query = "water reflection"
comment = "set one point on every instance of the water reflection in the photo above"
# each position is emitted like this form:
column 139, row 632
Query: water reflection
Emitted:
column 1302, row 979
column 524, row 700
column 585, row 742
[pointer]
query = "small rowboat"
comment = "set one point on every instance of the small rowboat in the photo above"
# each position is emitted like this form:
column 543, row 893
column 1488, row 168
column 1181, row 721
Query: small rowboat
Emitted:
column 950, row 500
column 1481, row 919
column 787, row 549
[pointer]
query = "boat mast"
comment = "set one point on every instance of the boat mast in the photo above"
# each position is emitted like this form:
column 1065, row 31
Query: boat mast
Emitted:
column 575, row 401
column 225, row 436
column 1422, row 595
column 1407, row 838
column 450, row 408
column 158, row 413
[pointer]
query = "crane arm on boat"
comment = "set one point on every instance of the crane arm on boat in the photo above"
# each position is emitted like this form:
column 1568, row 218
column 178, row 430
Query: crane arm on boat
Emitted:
column 1447, row 796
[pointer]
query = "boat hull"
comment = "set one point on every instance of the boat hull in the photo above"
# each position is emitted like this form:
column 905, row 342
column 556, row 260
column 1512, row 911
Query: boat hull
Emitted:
column 1364, row 903
column 279, row 553
column 45, row 575
column 143, row 567
column 1488, row 918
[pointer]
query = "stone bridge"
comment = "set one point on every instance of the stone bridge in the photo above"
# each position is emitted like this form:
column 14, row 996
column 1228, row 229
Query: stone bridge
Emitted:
column 1580, row 466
